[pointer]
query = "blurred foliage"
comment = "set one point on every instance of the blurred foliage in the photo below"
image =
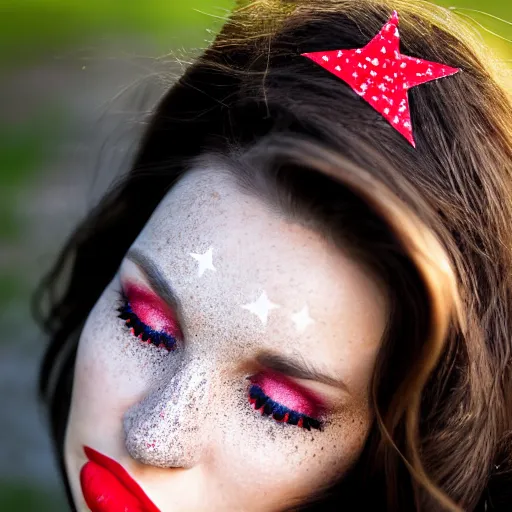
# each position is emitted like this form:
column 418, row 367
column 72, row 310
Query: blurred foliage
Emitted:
column 493, row 18
column 499, row 8
column 11, row 287
column 22, row 150
column 23, row 147
column 18, row 497
column 29, row 28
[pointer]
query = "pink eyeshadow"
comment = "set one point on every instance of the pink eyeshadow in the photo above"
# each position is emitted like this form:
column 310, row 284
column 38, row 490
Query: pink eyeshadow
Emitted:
column 152, row 311
column 283, row 391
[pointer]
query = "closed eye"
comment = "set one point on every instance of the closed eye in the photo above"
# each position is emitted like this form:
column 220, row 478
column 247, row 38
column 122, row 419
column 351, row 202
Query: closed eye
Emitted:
column 277, row 396
column 280, row 413
column 159, row 327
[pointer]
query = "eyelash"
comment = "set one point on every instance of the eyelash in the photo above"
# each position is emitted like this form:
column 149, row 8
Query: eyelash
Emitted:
column 278, row 412
column 141, row 330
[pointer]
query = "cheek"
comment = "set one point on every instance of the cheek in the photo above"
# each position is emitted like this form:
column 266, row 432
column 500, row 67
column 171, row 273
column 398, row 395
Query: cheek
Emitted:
column 272, row 462
column 113, row 369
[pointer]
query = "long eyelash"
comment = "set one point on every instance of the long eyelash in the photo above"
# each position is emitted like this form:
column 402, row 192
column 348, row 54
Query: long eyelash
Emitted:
column 141, row 330
column 279, row 412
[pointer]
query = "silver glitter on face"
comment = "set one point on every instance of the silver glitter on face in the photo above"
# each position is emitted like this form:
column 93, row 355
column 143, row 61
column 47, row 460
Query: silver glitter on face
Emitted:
column 154, row 427
column 180, row 422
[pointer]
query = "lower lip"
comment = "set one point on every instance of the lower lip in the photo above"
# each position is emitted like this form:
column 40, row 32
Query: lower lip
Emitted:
column 107, row 487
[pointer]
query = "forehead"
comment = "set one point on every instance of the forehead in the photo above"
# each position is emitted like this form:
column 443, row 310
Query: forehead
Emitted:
column 254, row 251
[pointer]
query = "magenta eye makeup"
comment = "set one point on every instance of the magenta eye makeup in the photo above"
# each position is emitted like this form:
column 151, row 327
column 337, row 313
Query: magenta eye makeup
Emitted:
column 274, row 395
column 149, row 318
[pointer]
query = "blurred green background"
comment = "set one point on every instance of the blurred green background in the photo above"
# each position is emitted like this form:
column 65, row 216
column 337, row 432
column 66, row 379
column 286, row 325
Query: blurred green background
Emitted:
column 77, row 79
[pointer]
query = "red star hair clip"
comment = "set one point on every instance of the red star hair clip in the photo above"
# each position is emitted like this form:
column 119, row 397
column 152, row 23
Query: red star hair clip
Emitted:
column 381, row 75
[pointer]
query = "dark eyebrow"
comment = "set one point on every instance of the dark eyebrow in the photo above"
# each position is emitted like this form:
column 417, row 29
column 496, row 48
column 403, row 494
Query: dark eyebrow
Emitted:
column 298, row 368
column 156, row 279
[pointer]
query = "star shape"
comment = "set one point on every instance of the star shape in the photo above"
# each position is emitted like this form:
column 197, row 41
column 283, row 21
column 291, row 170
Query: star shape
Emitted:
column 302, row 319
column 261, row 307
column 382, row 76
column 205, row 261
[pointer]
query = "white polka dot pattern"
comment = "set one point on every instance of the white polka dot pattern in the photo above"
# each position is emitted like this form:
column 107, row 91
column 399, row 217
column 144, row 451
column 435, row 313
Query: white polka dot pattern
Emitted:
column 382, row 76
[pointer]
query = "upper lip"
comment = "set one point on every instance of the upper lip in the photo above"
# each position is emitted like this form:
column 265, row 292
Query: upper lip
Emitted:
column 122, row 475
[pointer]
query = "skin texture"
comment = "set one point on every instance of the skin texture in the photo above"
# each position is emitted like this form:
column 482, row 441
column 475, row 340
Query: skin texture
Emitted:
column 181, row 422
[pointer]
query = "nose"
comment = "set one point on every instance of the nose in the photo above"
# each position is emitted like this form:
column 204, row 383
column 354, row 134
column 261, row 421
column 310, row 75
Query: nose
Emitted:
column 165, row 428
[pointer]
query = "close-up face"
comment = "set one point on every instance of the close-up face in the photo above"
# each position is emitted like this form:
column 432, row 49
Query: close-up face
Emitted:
column 227, row 365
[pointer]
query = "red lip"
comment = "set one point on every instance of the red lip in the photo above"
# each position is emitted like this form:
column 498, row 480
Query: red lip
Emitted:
column 107, row 486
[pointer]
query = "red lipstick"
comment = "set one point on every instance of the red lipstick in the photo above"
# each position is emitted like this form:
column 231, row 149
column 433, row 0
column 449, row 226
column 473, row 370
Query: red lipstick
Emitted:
column 107, row 486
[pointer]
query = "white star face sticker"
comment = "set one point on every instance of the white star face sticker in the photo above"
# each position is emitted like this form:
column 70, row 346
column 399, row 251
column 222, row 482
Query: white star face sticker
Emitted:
column 205, row 261
column 261, row 307
column 302, row 319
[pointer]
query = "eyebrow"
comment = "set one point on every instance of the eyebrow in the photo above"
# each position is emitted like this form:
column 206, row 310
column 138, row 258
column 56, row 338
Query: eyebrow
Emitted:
column 157, row 281
column 298, row 368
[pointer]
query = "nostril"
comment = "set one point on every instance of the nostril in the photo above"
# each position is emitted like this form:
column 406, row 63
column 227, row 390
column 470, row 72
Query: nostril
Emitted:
column 160, row 451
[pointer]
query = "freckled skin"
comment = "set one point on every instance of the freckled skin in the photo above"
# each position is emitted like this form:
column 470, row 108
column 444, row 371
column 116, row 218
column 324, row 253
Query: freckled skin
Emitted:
column 180, row 422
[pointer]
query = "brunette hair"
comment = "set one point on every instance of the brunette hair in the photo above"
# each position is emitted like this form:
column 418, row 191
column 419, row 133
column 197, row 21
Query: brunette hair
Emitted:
column 433, row 223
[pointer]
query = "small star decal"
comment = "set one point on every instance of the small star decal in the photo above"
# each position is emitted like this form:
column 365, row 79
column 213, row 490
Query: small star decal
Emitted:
column 382, row 76
column 205, row 261
column 261, row 307
column 302, row 319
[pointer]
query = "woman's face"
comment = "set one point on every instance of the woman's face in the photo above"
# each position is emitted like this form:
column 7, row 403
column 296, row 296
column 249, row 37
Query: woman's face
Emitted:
column 247, row 387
